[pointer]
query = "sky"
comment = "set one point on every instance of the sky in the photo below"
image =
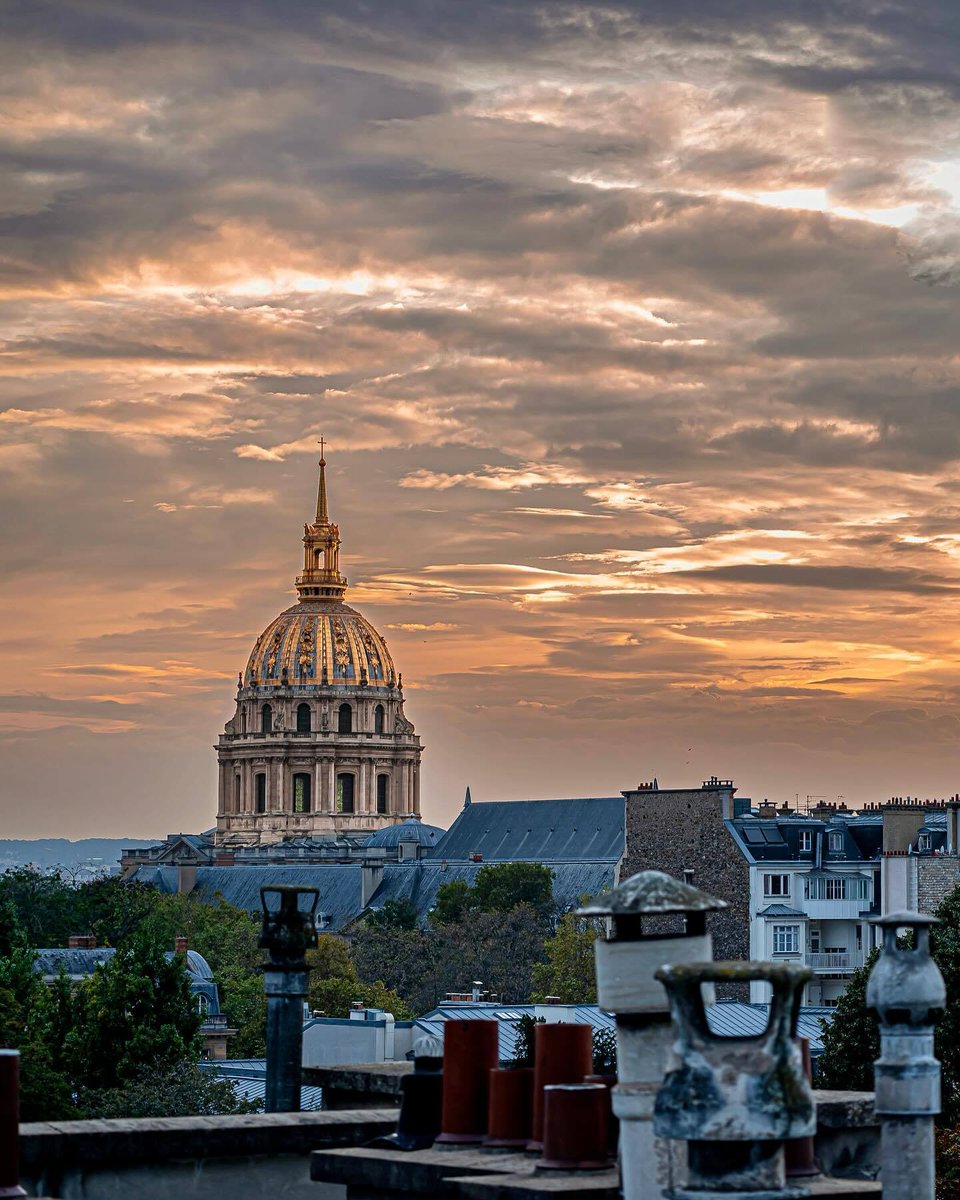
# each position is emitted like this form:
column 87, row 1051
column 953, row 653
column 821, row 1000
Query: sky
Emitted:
column 633, row 330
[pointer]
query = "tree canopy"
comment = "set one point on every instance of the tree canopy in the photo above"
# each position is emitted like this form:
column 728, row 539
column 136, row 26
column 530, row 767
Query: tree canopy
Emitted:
column 851, row 1042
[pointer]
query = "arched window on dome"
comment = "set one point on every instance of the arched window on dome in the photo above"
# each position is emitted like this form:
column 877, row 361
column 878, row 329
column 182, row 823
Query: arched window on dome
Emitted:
column 383, row 793
column 345, row 792
column 303, row 718
column 345, row 719
column 261, row 786
column 378, row 719
column 301, row 793
column 266, row 719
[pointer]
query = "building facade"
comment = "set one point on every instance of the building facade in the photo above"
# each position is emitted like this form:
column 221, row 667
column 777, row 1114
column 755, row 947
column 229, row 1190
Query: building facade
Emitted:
column 319, row 745
column 819, row 879
column 684, row 830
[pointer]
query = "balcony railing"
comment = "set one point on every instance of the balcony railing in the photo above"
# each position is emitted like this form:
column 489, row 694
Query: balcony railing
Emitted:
column 835, row 960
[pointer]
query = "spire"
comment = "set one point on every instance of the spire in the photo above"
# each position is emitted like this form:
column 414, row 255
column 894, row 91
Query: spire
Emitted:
column 321, row 578
column 322, row 518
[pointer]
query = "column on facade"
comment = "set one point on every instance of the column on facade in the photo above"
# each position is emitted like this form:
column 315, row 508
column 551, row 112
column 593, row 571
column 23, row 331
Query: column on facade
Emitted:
column 363, row 791
column 221, row 798
column 329, row 785
column 276, row 784
column 416, row 787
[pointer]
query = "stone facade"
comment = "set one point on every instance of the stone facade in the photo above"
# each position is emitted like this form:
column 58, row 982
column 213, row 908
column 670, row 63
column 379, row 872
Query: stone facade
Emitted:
column 319, row 745
column 682, row 829
column 936, row 878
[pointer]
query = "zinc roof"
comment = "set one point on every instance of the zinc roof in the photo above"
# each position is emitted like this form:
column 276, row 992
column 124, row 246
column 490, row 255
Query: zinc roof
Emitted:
column 536, row 830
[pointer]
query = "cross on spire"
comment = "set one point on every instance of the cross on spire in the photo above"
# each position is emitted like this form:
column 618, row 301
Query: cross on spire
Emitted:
column 322, row 518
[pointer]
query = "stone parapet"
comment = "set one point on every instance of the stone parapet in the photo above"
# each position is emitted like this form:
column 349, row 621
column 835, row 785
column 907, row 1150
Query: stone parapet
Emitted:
column 239, row 1156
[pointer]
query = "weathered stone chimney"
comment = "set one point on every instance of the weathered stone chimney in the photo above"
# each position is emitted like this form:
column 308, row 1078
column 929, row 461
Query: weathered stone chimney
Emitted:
column 81, row 941
column 370, row 875
column 902, row 819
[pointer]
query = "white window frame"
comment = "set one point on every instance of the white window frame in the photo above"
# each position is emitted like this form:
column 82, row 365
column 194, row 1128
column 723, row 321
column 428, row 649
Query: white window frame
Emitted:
column 771, row 892
column 786, row 939
column 806, row 840
column 834, row 841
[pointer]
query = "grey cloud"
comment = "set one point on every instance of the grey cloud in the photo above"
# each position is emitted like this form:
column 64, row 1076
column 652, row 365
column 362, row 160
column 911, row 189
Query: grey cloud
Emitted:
column 839, row 578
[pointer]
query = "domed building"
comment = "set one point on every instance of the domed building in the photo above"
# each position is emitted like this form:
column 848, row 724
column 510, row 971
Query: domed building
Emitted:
column 319, row 746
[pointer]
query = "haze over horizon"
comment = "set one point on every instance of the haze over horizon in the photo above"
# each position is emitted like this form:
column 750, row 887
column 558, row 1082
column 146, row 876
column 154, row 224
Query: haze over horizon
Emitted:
column 632, row 329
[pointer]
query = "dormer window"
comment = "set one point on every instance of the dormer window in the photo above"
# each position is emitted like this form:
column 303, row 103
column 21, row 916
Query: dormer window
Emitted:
column 835, row 842
column 924, row 842
column 806, row 841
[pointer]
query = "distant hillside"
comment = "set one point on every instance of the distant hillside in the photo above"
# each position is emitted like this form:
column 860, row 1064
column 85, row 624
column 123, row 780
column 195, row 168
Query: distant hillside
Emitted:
column 59, row 852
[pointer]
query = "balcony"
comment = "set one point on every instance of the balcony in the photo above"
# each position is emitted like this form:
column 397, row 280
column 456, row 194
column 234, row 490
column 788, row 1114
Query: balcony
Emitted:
column 835, row 960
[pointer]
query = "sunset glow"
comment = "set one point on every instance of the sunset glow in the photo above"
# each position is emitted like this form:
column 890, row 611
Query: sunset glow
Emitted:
column 634, row 336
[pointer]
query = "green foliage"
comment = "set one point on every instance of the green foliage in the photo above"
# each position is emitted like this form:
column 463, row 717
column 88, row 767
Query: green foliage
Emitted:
column 568, row 972
column 180, row 1089
column 395, row 914
column 44, row 910
column 851, row 1043
column 331, row 958
column 121, row 1043
column 424, row 965
column 334, row 985
column 504, row 887
column 454, row 901
column 498, row 888
column 139, row 1005
column 945, row 947
column 524, row 1045
column 604, row 1052
column 45, row 905
column 227, row 938
column 948, row 1164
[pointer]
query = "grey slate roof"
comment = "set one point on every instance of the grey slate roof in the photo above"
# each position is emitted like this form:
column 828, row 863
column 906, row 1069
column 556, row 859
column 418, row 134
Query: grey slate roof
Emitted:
column 726, row 1018
column 418, row 882
column 536, row 831
column 78, row 964
column 410, row 830
column 339, row 885
column 735, row 1018
column 781, row 910
column 81, row 964
column 248, row 1076
column 507, row 1015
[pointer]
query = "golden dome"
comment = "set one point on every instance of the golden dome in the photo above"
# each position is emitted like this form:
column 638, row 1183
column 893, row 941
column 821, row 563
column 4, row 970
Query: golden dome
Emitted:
column 320, row 643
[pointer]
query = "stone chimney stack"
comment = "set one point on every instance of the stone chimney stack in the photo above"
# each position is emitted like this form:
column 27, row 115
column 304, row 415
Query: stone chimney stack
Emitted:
column 180, row 944
column 902, row 819
column 953, row 806
column 81, row 941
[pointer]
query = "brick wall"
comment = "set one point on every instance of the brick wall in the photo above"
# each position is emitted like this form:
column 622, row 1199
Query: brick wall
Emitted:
column 936, row 878
column 676, row 830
